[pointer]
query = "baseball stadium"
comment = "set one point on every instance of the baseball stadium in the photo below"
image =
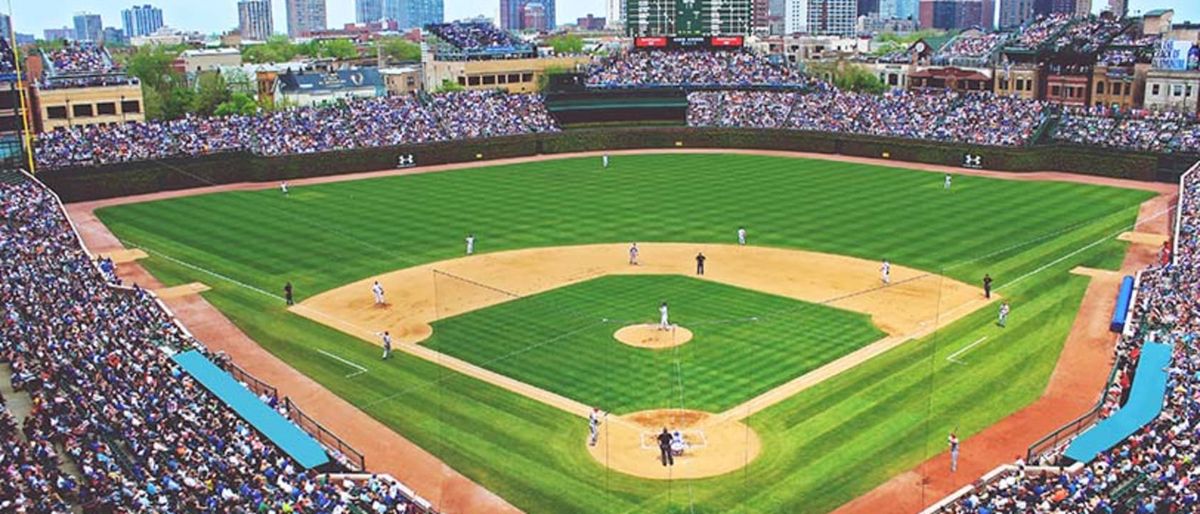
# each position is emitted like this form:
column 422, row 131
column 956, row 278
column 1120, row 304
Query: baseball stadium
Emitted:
column 688, row 271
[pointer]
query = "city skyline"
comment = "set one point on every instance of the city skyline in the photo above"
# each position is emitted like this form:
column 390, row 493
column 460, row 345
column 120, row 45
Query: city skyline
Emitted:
column 34, row 18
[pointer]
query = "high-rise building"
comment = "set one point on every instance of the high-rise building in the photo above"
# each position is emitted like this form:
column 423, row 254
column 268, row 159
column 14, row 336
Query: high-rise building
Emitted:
column 141, row 20
column 533, row 16
column 414, row 13
column 88, row 27
column 906, row 9
column 6, row 30
column 760, row 16
column 821, row 17
column 1044, row 7
column 512, row 13
column 305, row 17
column 614, row 14
column 63, row 34
column 1118, row 7
column 114, row 36
column 1014, row 13
column 254, row 19
column 367, row 11
column 956, row 14
column 692, row 18
column 866, row 7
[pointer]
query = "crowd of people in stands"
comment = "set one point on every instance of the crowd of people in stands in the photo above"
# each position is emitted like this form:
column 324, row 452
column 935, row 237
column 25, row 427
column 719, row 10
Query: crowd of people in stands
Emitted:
column 1155, row 469
column 1040, row 30
column 473, row 36
column 977, row 118
column 1141, row 130
column 7, row 64
column 656, row 68
column 972, row 45
column 143, row 435
column 1088, row 35
column 357, row 123
column 78, row 58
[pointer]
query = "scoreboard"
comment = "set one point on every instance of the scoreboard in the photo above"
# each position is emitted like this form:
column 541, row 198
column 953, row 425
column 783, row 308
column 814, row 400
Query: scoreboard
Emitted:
column 688, row 18
column 689, row 42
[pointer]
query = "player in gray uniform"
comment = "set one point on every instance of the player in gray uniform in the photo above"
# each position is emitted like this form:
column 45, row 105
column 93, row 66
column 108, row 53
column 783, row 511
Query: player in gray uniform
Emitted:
column 593, row 426
column 633, row 254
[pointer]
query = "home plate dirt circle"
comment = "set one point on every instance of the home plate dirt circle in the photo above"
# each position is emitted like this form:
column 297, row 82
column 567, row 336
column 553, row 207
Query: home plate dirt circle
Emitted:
column 649, row 335
column 715, row 445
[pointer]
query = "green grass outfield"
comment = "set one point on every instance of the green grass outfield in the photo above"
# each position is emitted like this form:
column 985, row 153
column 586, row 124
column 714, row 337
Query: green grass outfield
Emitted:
column 822, row 447
column 745, row 342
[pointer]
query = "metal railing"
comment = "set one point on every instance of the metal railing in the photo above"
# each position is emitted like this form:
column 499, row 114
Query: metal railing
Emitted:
column 1054, row 440
column 252, row 382
column 342, row 451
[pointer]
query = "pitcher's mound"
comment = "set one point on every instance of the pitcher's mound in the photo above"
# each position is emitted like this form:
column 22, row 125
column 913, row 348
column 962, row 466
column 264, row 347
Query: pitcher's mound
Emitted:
column 714, row 446
column 650, row 336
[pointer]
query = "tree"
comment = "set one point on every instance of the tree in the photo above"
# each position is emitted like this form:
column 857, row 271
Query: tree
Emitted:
column 859, row 79
column 543, row 80
column 564, row 44
column 178, row 102
column 211, row 91
column 151, row 64
column 340, row 49
column 238, row 103
column 152, row 102
column 450, row 86
column 275, row 49
column 400, row 49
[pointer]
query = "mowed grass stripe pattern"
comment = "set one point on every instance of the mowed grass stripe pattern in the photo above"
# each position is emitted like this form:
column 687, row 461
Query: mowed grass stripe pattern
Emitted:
column 321, row 237
column 822, row 447
column 745, row 342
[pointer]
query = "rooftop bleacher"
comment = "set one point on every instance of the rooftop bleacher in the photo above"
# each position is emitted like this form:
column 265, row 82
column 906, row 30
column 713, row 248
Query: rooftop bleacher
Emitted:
column 476, row 41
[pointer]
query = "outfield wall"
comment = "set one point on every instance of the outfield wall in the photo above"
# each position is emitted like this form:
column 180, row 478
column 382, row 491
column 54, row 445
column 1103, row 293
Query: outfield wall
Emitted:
column 92, row 183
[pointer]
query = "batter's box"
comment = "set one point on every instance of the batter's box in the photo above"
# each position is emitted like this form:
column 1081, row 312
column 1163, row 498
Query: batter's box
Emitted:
column 694, row 439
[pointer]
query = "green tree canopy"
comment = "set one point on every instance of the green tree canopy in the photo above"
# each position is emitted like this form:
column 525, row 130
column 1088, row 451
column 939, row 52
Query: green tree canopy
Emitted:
column 238, row 103
column 275, row 49
column 211, row 91
column 400, row 49
column 449, row 86
column 566, row 44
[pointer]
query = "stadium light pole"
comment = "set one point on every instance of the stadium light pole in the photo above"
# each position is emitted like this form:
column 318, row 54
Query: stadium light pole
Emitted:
column 26, row 116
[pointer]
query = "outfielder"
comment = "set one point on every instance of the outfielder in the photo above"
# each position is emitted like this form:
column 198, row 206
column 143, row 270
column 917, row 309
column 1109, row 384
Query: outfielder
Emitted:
column 387, row 345
column 377, row 290
column 633, row 255
column 946, row 184
column 741, row 233
column 605, row 160
column 594, row 426
column 470, row 244
column 664, row 321
column 1004, row 309
column 885, row 272
column 283, row 187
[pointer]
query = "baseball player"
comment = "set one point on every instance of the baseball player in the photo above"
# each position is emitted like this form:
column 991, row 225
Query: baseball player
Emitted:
column 377, row 290
column 470, row 244
column 287, row 293
column 885, row 272
column 700, row 258
column 987, row 286
column 283, row 187
column 946, row 184
column 594, row 426
column 953, row 442
column 1004, row 309
column 741, row 233
column 664, row 321
column 605, row 160
column 387, row 345
column 633, row 255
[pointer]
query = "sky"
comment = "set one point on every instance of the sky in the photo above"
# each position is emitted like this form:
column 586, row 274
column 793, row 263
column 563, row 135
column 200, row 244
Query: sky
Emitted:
column 215, row 16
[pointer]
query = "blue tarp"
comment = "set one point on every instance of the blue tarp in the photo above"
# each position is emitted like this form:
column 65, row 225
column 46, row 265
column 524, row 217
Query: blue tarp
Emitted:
column 1122, row 308
column 1145, row 402
column 293, row 441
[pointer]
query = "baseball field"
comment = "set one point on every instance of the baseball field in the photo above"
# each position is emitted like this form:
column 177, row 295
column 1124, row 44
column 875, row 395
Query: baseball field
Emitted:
column 807, row 380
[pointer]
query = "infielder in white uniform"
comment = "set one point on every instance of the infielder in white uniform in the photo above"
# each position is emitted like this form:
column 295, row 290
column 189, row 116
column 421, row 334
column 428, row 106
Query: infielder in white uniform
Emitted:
column 741, row 233
column 885, row 272
column 377, row 290
column 593, row 426
column 387, row 345
column 946, row 185
column 633, row 254
column 470, row 244
column 664, row 322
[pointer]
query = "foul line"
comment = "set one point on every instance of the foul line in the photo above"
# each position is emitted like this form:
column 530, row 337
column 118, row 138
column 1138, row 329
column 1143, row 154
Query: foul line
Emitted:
column 360, row 371
column 963, row 350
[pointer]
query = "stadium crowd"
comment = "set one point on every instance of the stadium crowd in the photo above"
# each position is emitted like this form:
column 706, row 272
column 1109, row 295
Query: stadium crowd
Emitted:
column 1141, row 130
column 358, row 123
column 972, row 45
column 1040, row 30
column 978, row 118
column 1088, row 35
column 142, row 434
column 78, row 58
column 1155, row 469
column 7, row 64
column 656, row 68
column 473, row 36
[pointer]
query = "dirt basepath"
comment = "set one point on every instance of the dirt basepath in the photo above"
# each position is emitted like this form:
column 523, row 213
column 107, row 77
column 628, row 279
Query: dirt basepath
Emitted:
column 1075, row 385
column 385, row 450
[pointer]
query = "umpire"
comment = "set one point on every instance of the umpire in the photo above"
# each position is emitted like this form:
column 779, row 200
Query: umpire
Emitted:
column 664, row 446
